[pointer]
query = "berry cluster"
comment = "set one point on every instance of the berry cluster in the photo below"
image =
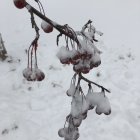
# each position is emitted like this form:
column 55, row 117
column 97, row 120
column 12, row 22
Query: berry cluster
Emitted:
column 84, row 56
column 33, row 73
column 98, row 100
column 71, row 132
column 80, row 106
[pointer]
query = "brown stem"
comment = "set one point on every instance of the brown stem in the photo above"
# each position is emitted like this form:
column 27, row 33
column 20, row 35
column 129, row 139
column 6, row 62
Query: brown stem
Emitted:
column 29, row 56
column 35, row 49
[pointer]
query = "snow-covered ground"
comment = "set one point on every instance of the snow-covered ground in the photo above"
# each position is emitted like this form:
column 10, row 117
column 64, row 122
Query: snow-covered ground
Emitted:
column 36, row 110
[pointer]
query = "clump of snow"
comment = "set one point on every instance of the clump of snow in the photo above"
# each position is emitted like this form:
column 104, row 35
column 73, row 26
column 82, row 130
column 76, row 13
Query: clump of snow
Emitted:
column 63, row 53
column 72, row 89
column 79, row 104
column 103, row 106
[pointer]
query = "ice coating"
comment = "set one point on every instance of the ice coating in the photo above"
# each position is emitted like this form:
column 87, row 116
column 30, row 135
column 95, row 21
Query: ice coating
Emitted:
column 71, row 90
column 33, row 74
column 79, row 105
column 47, row 28
column 44, row 24
column 104, row 107
column 63, row 53
column 94, row 98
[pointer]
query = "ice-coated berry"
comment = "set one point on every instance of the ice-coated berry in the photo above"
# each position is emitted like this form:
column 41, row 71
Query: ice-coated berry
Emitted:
column 33, row 74
column 103, row 107
column 39, row 75
column 77, row 122
column 61, row 132
column 47, row 28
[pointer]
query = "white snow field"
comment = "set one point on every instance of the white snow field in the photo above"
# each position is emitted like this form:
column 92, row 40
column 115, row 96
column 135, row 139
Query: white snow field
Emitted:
column 37, row 110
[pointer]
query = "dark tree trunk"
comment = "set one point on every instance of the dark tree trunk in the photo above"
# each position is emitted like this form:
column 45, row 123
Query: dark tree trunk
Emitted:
column 3, row 52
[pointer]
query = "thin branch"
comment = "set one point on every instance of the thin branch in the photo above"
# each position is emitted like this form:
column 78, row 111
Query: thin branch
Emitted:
column 58, row 27
column 68, row 33
column 90, row 82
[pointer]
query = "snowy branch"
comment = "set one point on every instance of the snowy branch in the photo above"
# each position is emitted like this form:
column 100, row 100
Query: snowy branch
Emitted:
column 83, row 54
column 58, row 27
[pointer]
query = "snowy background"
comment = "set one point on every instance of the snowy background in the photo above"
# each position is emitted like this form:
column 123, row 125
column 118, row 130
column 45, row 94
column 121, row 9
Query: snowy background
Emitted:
column 35, row 111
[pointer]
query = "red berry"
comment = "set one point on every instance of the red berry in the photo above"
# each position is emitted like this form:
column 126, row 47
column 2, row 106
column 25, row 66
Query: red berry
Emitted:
column 98, row 112
column 33, row 75
column 39, row 75
column 65, row 61
column 19, row 3
column 74, row 62
column 85, row 70
column 47, row 28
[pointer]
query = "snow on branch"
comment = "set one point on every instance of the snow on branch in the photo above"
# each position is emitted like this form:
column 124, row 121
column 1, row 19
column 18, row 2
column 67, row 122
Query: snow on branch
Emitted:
column 81, row 52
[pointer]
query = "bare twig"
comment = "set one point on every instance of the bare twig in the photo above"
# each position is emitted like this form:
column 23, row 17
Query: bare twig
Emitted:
column 34, row 25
